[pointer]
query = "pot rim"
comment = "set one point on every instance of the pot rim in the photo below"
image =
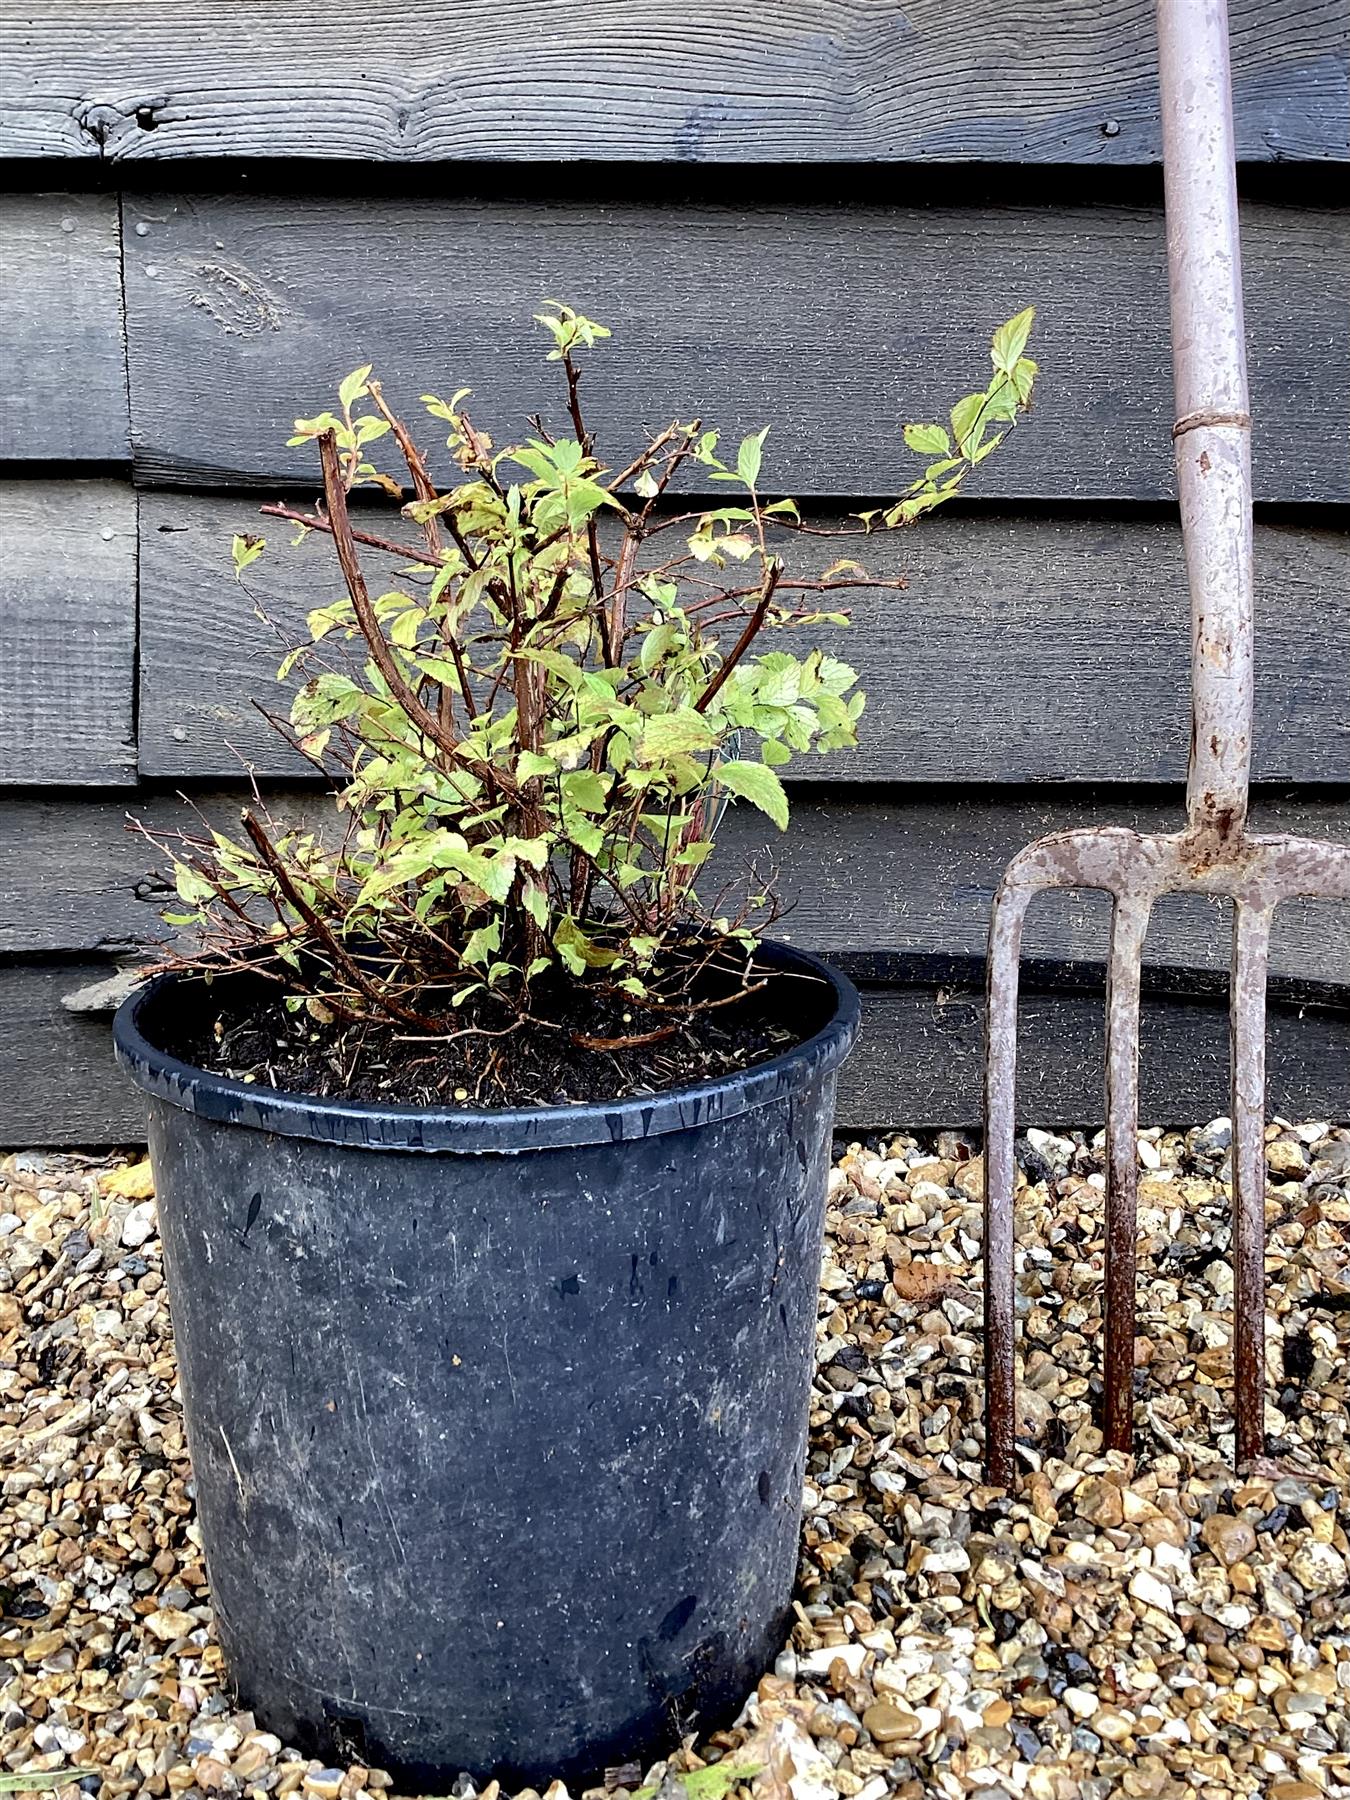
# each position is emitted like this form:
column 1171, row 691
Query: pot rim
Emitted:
column 508, row 1131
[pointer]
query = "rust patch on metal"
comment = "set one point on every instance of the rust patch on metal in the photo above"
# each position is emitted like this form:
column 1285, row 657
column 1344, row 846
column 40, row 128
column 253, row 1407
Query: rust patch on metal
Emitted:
column 1211, row 416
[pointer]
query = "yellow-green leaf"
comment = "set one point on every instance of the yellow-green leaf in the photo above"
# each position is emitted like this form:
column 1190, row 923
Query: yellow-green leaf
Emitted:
column 353, row 386
column 529, row 763
column 760, row 786
column 750, row 456
column 1010, row 340
column 928, row 440
column 675, row 734
column 966, row 415
column 246, row 550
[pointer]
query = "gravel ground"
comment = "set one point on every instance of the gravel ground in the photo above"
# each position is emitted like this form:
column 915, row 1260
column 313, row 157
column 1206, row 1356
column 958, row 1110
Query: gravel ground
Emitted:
column 1161, row 1631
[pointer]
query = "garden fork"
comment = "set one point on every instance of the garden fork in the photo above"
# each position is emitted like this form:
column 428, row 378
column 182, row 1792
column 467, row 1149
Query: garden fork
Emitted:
column 1215, row 854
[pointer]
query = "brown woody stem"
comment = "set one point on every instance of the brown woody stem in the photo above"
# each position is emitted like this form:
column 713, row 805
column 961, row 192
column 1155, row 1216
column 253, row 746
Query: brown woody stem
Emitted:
column 425, row 489
column 383, row 657
column 341, row 956
column 743, row 642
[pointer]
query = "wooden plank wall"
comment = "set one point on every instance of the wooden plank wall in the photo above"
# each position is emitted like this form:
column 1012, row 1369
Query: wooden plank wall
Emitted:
column 1066, row 81
column 801, row 215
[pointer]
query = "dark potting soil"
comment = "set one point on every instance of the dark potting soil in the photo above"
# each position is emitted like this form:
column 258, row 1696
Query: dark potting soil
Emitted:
column 259, row 1039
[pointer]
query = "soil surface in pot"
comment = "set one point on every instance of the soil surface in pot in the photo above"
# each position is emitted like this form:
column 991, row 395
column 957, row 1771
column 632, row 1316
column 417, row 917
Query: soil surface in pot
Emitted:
column 581, row 1044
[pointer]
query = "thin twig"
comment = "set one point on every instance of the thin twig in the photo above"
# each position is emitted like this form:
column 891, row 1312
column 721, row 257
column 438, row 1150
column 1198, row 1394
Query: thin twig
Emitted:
column 584, row 1041
column 421, row 716
column 425, row 489
column 317, row 522
column 742, row 643
column 341, row 956
column 642, row 460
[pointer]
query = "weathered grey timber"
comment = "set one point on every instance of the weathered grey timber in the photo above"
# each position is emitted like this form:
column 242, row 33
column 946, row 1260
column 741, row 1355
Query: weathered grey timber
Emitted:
column 864, row 872
column 67, row 633
column 824, row 288
column 63, row 386
column 58, row 1082
column 918, row 1059
column 79, row 879
column 243, row 311
column 1065, row 81
column 1026, row 648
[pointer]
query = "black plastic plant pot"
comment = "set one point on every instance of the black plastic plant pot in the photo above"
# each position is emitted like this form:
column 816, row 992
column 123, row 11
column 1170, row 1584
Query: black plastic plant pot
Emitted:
column 497, row 1419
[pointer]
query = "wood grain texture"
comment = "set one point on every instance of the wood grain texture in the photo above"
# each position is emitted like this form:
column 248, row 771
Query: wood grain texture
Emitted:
column 63, row 388
column 910, row 874
column 831, row 323
column 1024, row 649
column 1065, row 81
column 874, row 873
column 67, row 633
column 58, row 1081
column 78, row 879
column 917, row 1061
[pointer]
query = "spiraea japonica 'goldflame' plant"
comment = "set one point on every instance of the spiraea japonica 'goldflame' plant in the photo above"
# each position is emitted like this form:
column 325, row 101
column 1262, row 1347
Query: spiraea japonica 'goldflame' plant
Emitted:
column 536, row 690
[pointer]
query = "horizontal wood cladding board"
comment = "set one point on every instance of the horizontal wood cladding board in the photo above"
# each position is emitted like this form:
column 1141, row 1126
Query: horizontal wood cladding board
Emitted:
column 890, row 874
column 63, row 384
column 1026, row 648
column 78, row 877
column 67, row 633
column 832, row 323
column 58, row 1081
column 917, row 1061
column 641, row 80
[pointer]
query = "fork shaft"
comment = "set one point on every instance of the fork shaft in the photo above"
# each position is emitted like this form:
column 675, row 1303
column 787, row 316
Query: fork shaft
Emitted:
column 1247, row 1031
column 1213, row 431
column 1204, row 268
column 1129, row 925
column 1000, row 1130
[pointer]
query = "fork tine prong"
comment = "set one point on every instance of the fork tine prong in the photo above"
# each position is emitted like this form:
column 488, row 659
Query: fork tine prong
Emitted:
column 1129, row 926
column 1247, row 1036
column 1000, row 1099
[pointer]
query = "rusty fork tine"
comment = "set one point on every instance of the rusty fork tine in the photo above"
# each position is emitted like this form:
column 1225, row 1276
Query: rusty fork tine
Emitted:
column 1247, row 1032
column 1129, row 926
column 1005, row 945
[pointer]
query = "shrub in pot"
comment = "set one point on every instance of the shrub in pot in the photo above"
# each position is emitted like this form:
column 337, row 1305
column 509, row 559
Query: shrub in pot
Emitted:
column 491, row 1152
